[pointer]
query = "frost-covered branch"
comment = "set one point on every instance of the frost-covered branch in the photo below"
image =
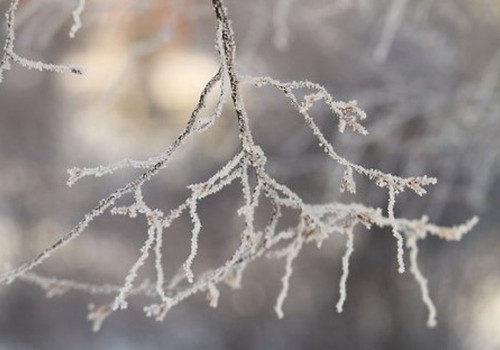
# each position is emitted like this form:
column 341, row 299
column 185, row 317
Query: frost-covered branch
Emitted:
column 317, row 222
column 9, row 54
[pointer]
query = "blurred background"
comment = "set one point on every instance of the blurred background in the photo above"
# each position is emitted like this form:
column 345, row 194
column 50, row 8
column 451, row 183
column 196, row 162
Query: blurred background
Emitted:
column 426, row 72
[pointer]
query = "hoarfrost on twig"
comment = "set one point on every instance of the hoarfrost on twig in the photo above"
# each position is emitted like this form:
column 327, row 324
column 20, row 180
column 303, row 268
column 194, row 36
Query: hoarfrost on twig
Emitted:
column 77, row 22
column 9, row 54
column 317, row 222
column 349, row 249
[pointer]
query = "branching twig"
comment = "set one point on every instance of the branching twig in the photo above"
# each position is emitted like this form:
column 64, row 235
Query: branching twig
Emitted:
column 317, row 222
